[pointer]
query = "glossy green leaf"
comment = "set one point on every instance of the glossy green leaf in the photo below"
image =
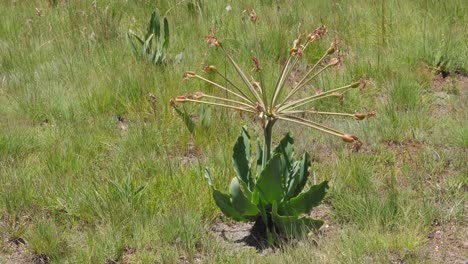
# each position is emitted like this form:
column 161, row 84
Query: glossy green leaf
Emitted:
column 292, row 225
column 223, row 201
column 242, row 158
column 286, row 147
column 270, row 181
column 147, row 45
column 166, row 34
column 157, row 25
column 240, row 201
column 150, row 27
column 292, row 180
column 304, row 202
column 302, row 177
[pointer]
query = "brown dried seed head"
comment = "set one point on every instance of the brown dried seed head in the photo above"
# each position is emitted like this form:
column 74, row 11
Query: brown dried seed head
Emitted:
column 334, row 62
column 297, row 51
column 172, row 102
column 297, row 41
column 371, row 114
column 198, row 95
column 317, row 34
column 210, row 69
column 188, row 75
column 257, row 66
column 360, row 116
column 349, row 138
column 252, row 15
column 181, row 99
column 212, row 40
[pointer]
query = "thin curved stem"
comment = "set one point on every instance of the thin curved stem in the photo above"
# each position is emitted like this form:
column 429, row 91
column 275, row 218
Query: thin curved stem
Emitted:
column 311, row 124
column 218, row 104
column 223, row 88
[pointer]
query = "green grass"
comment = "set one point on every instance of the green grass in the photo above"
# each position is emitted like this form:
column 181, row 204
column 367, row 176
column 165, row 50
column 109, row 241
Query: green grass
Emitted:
column 80, row 189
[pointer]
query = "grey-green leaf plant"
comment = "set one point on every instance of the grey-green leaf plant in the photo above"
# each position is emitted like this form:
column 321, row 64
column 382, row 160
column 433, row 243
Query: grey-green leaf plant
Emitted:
column 153, row 45
column 269, row 189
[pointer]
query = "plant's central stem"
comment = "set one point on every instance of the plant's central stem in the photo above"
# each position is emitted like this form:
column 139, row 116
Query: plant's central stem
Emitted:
column 267, row 131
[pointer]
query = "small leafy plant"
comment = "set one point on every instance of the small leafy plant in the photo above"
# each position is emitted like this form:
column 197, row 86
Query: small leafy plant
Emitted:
column 153, row 45
column 271, row 192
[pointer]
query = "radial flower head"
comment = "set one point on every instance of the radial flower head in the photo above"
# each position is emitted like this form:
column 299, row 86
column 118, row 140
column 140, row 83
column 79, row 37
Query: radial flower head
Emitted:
column 284, row 103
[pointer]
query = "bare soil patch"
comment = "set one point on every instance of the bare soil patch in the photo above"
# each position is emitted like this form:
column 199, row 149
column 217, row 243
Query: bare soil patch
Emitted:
column 448, row 243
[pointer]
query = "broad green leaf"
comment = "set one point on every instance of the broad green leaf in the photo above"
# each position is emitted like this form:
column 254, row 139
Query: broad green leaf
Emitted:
column 166, row 34
column 292, row 180
column 292, row 225
column 304, row 202
column 302, row 177
column 239, row 200
column 135, row 48
column 242, row 158
column 157, row 25
column 150, row 27
column 269, row 183
column 147, row 44
column 286, row 147
column 133, row 34
column 223, row 201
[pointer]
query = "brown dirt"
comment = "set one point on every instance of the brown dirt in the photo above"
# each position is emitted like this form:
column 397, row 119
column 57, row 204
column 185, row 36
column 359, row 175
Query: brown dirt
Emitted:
column 445, row 89
column 448, row 243
column 17, row 253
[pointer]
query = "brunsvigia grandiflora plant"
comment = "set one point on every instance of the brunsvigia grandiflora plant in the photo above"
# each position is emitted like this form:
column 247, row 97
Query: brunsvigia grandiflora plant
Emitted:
column 269, row 189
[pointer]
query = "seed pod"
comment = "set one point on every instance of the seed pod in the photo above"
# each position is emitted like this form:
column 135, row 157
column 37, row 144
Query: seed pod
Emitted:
column 188, row 75
column 198, row 95
column 349, row 138
column 360, row 116
column 253, row 15
column 355, row 84
column 210, row 69
column 181, row 99
column 334, row 62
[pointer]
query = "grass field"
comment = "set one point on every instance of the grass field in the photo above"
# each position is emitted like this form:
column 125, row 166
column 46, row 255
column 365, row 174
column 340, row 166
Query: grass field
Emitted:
column 94, row 170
